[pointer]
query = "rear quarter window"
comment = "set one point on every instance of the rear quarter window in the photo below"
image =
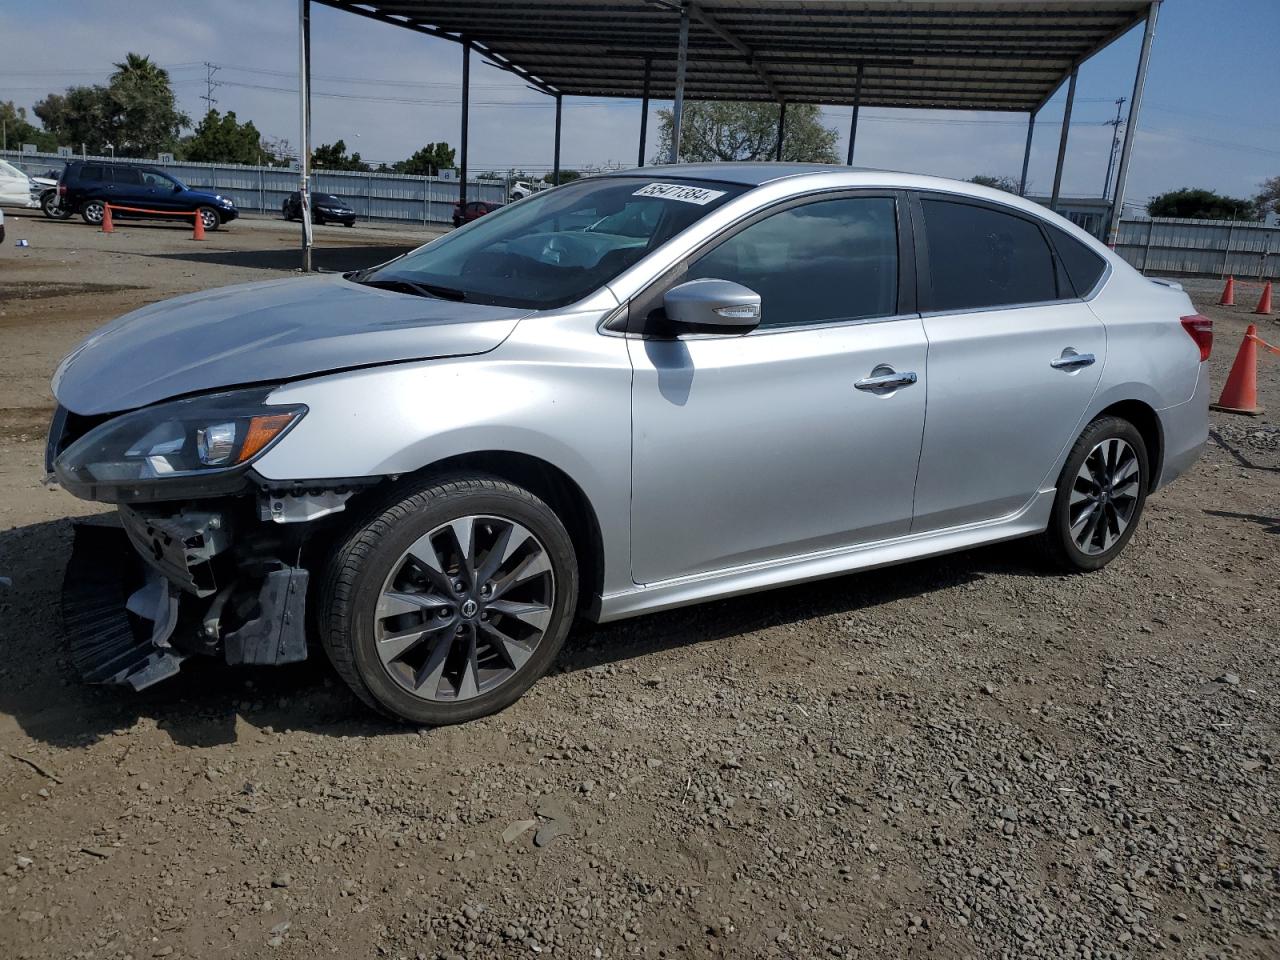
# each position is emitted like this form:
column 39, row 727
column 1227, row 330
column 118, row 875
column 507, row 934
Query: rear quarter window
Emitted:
column 1084, row 267
column 91, row 173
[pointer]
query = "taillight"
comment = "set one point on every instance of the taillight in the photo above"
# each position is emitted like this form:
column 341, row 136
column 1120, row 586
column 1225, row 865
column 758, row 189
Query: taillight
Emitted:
column 62, row 189
column 1200, row 329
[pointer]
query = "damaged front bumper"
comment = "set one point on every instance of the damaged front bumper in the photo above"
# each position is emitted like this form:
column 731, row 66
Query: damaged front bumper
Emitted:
column 166, row 584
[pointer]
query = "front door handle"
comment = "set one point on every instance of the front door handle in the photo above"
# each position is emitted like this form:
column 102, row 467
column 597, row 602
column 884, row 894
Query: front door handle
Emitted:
column 1071, row 361
column 887, row 381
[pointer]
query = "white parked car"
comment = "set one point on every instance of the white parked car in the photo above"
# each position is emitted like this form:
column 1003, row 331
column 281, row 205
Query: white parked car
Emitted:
column 17, row 189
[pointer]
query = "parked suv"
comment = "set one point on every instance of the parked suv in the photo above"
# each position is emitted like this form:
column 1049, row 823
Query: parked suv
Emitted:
column 88, row 185
column 621, row 395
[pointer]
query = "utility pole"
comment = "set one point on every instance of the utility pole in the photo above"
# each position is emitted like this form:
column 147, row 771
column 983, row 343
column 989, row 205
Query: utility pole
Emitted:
column 1115, row 145
column 210, row 85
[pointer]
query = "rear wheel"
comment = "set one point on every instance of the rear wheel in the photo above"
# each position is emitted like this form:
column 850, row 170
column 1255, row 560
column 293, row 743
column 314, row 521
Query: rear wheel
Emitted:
column 209, row 217
column 284, row 211
column 1101, row 493
column 448, row 603
column 52, row 206
column 92, row 212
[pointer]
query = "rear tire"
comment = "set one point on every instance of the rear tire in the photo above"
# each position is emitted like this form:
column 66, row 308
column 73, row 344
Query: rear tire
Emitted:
column 427, row 632
column 52, row 207
column 1101, row 494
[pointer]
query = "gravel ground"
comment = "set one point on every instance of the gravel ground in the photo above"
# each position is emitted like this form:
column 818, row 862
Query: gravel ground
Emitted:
column 964, row 757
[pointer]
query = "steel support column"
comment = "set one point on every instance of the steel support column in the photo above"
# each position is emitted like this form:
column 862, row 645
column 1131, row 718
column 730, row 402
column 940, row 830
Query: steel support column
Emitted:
column 782, row 127
column 644, row 110
column 1062, row 140
column 466, row 122
column 1026, row 153
column 555, row 163
column 304, row 141
column 1139, row 82
column 853, row 121
column 677, row 108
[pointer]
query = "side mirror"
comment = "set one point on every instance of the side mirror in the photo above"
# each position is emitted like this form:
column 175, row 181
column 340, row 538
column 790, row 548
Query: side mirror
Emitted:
column 719, row 305
column 176, row 188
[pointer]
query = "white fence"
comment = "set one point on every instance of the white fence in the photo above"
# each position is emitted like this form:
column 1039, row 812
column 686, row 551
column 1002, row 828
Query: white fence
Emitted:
column 373, row 196
column 1205, row 248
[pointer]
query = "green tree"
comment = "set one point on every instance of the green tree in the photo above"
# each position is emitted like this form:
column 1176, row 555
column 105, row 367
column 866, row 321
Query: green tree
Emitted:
column 333, row 156
column 223, row 139
column 1007, row 184
column 136, row 112
column 1200, row 204
column 716, row 130
column 1267, row 200
column 17, row 129
column 565, row 176
column 147, row 115
column 427, row 162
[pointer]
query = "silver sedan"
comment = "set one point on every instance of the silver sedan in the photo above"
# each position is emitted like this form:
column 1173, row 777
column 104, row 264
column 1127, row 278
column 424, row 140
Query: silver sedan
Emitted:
column 629, row 393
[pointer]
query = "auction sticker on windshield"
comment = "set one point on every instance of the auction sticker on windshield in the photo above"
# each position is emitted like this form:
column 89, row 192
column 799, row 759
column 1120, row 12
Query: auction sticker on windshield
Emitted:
column 674, row 191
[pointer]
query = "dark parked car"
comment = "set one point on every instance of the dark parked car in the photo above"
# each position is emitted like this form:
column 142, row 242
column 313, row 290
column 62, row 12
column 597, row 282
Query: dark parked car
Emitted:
column 88, row 185
column 474, row 211
column 325, row 208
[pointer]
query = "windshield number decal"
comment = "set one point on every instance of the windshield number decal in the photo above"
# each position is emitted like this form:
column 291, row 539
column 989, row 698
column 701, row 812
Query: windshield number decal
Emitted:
column 674, row 191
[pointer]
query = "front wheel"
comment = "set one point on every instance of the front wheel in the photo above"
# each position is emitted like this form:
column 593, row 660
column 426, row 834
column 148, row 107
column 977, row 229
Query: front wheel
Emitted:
column 447, row 603
column 209, row 217
column 1101, row 493
column 92, row 212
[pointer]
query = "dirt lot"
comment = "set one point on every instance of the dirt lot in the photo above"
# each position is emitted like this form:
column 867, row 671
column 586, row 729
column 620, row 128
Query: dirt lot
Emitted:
column 965, row 757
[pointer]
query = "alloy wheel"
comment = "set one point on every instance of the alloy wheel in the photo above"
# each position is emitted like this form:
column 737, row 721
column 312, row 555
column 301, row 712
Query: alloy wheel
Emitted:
column 1104, row 496
column 94, row 211
column 464, row 608
column 209, row 218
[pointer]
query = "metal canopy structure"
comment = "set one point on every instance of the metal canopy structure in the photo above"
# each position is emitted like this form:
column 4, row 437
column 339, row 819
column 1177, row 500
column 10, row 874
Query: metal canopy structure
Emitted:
column 928, row 54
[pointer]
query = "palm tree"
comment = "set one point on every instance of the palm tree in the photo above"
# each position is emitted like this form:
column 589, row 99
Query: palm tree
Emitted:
column 140, row 72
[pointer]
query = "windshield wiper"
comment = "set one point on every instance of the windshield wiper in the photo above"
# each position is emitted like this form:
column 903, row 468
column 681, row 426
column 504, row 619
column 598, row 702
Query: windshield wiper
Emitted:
column 418, row 289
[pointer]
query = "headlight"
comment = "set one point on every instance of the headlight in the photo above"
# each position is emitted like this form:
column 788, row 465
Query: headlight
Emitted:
column 203, row 435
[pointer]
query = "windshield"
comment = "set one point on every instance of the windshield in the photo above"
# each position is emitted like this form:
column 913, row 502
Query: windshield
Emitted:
column 328, row 198
column 555, row 247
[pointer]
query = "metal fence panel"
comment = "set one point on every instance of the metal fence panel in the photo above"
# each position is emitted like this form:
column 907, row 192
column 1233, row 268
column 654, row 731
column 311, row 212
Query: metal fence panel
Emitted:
column 373, row 196
column 1205, row 248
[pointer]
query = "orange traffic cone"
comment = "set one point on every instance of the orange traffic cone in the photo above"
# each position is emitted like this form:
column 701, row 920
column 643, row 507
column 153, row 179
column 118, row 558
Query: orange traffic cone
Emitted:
column 107, row 225
column 1240, row 395
column 1264, row 302
column 198, row 233
column 1228, row 293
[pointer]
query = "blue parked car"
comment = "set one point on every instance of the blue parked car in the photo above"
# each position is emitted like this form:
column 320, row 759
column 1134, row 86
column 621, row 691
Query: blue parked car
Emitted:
column 88, row 185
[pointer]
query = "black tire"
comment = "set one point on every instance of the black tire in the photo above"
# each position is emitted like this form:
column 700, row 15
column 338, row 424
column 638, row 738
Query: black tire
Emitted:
column 317, row 218
column 362, row 561
column 51, row 208
column 92, row 211
column 1060, row 544
column 212, row 219
column 284, row 211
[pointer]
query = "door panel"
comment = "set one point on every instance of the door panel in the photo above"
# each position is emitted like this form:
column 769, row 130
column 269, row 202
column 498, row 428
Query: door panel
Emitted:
column 758, row 447
column 999, row 413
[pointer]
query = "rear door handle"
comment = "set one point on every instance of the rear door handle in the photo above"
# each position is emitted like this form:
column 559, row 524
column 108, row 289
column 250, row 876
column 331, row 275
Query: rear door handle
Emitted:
column 1072, row 360
column 887, row 381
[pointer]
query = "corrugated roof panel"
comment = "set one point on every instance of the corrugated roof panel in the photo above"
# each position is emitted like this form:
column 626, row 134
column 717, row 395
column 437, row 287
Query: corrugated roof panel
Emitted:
column 975, row 55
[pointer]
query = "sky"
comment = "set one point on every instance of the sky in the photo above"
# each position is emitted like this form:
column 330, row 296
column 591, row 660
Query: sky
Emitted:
column 1210, row 117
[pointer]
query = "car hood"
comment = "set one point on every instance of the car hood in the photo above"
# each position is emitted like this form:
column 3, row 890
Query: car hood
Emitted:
column 263, row 332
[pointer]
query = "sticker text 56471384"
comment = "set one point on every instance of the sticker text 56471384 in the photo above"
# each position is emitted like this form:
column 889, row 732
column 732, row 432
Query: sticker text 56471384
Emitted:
column 676, row 191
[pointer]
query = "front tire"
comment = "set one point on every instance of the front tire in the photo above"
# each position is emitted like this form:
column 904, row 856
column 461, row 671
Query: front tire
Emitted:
column 448, row 602
column 1101, row 493
column 92, row 212
column 212, row 220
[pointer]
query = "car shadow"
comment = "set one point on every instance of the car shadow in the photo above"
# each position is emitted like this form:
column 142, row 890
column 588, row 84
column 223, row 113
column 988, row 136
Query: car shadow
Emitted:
column 1237, row 455
column 210, row 703
column 1268, row 524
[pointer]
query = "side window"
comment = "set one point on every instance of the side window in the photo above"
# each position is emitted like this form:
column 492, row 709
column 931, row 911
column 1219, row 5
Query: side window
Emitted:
column 126, row 176
column 91, row 173
column 152, row 179
column 1083, row 266
column 980, row 257
column 821, row 262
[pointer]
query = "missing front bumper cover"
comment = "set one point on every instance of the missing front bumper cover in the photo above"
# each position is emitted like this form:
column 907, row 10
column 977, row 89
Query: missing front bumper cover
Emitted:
column 129, row 625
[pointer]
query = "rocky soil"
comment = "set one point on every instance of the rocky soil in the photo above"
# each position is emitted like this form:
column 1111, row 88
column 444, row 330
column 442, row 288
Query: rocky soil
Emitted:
column 963, row 757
